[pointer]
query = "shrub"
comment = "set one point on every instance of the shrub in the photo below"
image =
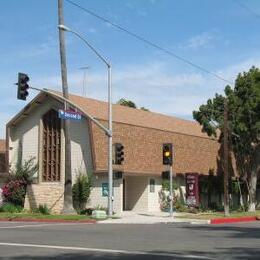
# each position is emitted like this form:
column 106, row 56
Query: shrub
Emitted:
column 9, row 207
column 14, row 192
column 24, row 171
column 87, row 211
column 178, row 205
column 43, row 209
column 81, row 191
column 15, row 189
column 166, row 185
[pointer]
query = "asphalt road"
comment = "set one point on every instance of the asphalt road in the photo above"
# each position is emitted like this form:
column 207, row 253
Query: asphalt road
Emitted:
column 129, row 241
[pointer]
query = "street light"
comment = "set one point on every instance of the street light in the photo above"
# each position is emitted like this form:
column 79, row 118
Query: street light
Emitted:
column 110, row 130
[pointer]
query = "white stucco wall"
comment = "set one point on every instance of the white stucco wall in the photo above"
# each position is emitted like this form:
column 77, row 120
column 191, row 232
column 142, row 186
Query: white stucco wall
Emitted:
column 96, row 198
column 25, row 141
column 153, row 197
column 81, row 157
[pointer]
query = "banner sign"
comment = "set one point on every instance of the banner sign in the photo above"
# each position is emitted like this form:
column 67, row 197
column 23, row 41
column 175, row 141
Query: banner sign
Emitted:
column 69, row 115
column 192, row 189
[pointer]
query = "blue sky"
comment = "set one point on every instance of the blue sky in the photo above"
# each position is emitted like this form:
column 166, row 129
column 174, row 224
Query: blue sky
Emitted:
column 219, row 35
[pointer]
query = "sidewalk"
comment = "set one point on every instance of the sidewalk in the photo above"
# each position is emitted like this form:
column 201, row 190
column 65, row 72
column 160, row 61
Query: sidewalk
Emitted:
column 130, row 217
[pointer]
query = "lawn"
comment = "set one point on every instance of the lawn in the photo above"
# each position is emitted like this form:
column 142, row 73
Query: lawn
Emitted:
column 17, row 216
column 217, row 215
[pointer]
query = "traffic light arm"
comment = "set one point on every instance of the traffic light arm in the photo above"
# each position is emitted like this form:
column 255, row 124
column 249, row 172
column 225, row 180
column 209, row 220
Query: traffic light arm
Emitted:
column 52, row 93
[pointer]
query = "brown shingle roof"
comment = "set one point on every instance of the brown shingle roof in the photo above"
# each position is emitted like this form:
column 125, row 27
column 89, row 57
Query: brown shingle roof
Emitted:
column 127, row 115
column 2, row 146
column 142, row 134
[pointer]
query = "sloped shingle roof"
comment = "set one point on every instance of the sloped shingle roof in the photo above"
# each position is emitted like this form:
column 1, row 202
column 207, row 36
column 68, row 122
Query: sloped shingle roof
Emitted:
column 137, row 117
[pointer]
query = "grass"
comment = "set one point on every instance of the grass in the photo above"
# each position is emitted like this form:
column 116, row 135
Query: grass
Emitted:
column 6, row 215
column 218, row 215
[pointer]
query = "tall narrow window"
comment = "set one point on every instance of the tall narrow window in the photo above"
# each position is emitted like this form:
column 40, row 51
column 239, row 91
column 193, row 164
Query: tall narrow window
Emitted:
column 51, row 146
column 2, row 162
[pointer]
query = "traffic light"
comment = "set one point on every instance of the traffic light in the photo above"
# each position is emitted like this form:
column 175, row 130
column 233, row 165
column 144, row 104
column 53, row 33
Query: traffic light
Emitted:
column 167, row 154
column 22, row 90
column 119, row 153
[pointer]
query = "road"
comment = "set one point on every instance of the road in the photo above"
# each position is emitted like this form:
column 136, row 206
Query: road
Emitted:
column 127, row 241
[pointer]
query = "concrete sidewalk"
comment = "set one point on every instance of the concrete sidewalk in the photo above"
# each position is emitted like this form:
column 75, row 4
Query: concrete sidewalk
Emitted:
column 130, row 217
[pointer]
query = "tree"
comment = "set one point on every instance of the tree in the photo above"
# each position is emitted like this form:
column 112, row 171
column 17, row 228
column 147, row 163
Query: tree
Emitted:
column 244, row 125
column 129, row 103
column 144, row 109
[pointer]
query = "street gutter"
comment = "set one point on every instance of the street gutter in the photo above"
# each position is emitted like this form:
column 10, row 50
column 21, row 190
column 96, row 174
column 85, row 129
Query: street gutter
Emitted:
column 15, row 219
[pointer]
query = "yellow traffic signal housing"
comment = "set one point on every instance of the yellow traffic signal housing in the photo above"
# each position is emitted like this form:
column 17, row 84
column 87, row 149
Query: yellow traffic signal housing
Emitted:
column 167, row 154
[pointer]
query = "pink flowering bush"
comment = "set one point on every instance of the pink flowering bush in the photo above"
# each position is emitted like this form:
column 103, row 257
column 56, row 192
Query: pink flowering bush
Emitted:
column 21, row 175
column 14, row 192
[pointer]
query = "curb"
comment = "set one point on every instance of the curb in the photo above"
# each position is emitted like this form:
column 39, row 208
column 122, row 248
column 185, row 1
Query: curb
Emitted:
column 216, row 221
column 89, row 221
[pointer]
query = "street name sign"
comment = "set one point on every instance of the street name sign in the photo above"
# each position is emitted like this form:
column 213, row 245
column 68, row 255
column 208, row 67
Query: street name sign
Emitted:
column 69, row 115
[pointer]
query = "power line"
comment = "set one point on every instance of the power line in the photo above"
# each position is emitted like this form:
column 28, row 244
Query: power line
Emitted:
column 149, row 42
column 247, row 8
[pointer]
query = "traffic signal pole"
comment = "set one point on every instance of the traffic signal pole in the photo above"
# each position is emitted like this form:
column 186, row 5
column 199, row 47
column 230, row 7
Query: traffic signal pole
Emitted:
column 171, row 192
column 168, row 160
column 108, row 132
column 80, row 109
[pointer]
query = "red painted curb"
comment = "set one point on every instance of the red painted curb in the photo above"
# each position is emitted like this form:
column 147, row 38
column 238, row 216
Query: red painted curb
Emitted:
column 232, row 220
column 89, row 221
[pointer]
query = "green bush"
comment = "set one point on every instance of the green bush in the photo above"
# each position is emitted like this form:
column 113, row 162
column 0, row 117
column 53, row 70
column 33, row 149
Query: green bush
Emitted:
column 81, row 191
column 87, row 211
column 24, row 171
column 166, row 185
column 43, row 209
column 11, row 208
column 178, row 205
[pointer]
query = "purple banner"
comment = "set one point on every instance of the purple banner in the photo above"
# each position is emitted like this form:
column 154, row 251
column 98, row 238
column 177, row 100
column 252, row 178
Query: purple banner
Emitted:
column 192, row 189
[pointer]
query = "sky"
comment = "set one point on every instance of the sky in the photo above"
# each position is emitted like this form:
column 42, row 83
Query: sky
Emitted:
column 222, row 36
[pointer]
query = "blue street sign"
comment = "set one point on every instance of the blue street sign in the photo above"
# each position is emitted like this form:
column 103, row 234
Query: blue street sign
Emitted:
column 69, row 115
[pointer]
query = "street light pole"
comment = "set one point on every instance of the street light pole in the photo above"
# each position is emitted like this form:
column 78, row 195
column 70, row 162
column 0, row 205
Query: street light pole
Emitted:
column 110, row 146
column 110, row 129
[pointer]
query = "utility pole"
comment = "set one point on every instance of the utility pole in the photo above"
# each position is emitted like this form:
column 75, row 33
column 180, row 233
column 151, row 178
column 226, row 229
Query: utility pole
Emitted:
column 67, row 205
column 225, row 133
